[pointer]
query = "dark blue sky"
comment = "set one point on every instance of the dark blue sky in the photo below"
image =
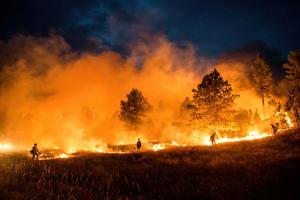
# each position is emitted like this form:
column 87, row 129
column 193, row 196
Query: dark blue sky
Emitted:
column 213, row 27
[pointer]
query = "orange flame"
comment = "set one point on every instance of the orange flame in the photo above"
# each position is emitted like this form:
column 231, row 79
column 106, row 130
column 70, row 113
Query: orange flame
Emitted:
column 252, row 135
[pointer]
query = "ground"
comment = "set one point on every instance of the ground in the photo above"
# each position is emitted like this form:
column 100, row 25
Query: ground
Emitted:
column 263, row 169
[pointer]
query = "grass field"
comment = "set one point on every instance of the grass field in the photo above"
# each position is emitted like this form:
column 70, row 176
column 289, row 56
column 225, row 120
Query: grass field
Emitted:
column 262, row 169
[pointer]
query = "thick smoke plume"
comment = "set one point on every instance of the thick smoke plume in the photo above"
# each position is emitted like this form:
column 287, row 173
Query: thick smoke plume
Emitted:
column 58, row 98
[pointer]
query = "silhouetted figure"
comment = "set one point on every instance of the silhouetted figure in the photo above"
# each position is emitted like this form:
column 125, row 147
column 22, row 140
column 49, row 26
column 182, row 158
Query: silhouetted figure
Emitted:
column 35, row 152
column 138, row 145
column 213, row 138
column 275, row 128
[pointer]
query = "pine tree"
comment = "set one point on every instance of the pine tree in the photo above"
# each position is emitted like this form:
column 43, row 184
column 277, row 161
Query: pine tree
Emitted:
column 134, row 109
column 213, row 99
column 262, row 76
column 292, row 69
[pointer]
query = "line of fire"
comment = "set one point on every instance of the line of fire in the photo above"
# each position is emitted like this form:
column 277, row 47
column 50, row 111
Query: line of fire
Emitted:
column 104, row 103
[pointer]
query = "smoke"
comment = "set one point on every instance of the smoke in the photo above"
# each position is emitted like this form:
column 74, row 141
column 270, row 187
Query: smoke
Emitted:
column 58, row 98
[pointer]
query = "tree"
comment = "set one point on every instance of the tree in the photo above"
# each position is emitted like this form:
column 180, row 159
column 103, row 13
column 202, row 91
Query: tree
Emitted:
column 213, row 99
column 262, row 76
column 292, row 69
column 134, row 109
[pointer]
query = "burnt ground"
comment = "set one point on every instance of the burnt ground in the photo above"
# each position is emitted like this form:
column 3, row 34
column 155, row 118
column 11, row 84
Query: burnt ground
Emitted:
column 263, row 169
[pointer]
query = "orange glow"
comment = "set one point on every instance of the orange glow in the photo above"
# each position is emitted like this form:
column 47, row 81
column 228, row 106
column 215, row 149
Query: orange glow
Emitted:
column 71, row 102
column 5, row 147
column 252, row 135
column 63, row 155
column 288, row 120
column 157, row 147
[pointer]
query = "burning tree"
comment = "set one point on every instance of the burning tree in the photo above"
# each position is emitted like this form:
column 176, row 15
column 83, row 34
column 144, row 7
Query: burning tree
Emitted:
column 292, row 69
column 134, row 109
column 213, row 101
column 262, row 76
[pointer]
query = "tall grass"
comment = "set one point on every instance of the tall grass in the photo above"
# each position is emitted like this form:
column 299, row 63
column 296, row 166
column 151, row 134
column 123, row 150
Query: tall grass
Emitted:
column 263, row 169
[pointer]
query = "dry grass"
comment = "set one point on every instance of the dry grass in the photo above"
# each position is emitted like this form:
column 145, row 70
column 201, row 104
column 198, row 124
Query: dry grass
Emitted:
column 263, row 169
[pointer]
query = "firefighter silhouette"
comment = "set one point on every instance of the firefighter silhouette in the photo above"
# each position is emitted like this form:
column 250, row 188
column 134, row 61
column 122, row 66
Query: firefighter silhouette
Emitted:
column 35, row 152
column 275, row 128
column 138, row 144
column 213, row 138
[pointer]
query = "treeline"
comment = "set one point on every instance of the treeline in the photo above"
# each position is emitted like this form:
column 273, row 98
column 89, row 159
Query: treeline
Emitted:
column 212, row 106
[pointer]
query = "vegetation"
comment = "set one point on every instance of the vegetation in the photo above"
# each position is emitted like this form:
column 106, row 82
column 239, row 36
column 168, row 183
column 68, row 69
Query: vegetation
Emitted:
column 134, row 109
column 213, row 101
column 262, row 76
column 292, row 69
column 264, row 169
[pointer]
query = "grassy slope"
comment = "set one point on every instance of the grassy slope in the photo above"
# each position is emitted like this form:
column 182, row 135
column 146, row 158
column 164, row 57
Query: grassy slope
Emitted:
column 265, row 169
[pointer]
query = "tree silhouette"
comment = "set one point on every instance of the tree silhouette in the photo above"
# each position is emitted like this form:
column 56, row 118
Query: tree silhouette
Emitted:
column 292, row 69
column 263, row 79
column 212, row 100
column 134, row 109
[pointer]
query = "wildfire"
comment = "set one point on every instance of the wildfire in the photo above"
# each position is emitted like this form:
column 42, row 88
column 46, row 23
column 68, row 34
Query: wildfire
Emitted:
column 157, row 147
column 288, row 120
column 63, row 155
column 173, row 143
column 5, row 147
column 252, row 135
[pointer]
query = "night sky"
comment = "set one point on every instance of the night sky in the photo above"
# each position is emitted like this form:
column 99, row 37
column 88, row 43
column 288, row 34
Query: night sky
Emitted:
column 213, row 27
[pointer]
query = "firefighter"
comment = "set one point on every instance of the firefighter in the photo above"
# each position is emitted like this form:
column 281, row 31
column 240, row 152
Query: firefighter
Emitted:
column 138, row 144
column 213, row 138
column 35, row 152
column 275, row 128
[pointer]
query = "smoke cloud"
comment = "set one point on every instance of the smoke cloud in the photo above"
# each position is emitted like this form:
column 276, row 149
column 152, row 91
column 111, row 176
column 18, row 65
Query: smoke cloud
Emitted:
column 59, row 98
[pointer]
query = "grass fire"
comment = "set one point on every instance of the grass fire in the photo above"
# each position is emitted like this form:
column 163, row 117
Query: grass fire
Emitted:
column 122, row 110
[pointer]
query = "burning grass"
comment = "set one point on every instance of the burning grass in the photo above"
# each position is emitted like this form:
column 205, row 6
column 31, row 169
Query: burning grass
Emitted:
column 264, row 169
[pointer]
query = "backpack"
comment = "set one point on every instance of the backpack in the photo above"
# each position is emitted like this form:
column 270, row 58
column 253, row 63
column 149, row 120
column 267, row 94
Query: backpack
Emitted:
column 31, row 151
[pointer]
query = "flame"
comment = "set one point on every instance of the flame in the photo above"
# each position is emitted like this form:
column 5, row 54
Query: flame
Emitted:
column 63, row 155
column 157, row 147
column 71, row 151
column 252, row 135
column 288, row 120
column 173, row 143
column 5, row 147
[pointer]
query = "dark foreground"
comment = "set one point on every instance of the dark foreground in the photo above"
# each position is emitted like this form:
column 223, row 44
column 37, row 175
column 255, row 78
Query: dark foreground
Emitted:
column 264, row 169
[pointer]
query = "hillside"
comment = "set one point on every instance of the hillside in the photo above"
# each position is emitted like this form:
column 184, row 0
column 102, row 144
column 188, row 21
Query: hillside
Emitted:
column 262, row 169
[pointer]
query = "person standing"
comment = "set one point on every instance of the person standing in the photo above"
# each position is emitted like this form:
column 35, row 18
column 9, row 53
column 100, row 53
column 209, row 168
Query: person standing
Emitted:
column 35, row 152
column 138, row 145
